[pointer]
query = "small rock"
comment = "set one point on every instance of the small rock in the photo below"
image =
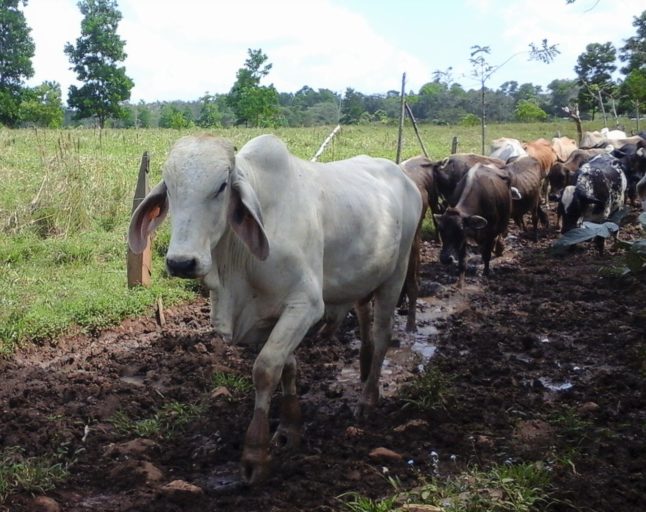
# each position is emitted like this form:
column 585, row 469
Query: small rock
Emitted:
column 334, row 391
column 180, row 490
column 221, row 392
column 45, row 504
column 354, row 475
column 589, row 407
column 411, row 424
column 414, row 507
column 134, row 447
column 200, row 348
column 384, row 453
column 353, row 432
column 484, row 442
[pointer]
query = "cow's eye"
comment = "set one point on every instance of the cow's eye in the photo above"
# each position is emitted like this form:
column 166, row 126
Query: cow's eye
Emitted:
column 222, row 187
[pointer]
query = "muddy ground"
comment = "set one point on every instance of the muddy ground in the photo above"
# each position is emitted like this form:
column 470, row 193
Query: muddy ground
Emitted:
column 543, row 361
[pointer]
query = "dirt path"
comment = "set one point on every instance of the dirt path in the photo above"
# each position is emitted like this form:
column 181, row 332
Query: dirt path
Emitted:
column 545, row 361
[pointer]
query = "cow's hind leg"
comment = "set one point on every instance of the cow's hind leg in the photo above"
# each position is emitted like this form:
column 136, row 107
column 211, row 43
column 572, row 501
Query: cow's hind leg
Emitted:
column 384, row 304
column 289, row 431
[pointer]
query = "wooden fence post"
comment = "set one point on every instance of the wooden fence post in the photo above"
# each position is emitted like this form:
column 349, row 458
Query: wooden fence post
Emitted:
column 454, row 145
column 401, row 120
column 140, row 265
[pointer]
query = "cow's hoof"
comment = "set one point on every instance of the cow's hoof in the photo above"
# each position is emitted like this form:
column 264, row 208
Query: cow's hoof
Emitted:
column 254, row 466
column 286, row 439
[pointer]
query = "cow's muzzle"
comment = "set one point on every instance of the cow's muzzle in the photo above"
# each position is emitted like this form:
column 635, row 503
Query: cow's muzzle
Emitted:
column 182, row 267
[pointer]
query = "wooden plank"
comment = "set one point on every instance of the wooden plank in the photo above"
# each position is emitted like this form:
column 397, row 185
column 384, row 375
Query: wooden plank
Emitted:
column 139, row 266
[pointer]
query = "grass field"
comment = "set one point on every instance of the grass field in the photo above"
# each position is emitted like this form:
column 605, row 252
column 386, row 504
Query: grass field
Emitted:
column 65, row 202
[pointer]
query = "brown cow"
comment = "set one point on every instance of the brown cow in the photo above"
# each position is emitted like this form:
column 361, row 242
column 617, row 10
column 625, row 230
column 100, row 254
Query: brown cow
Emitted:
column 481, row 214
column 542, row 151
column 420, row 170
column 527, row 177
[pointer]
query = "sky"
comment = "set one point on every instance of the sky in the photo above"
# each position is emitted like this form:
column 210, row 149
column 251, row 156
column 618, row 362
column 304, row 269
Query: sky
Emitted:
column 181, row 50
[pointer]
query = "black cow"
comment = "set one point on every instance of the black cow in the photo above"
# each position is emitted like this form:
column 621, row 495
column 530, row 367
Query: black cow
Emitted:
column 481, row 214
column 527, row 177
column 633, row 161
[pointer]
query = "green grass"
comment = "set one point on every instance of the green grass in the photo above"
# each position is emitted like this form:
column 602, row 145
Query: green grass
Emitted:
column 236, row 384
column 28, row 474
column 65, row 202
column 502, row 488
column 426, row 391
column 168, row 420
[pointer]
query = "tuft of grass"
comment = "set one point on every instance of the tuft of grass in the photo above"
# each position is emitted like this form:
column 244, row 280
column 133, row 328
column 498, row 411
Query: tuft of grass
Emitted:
column 19, row 473
column 236, row 384
column 426, row 391
column 503, row 488
column 170, row 419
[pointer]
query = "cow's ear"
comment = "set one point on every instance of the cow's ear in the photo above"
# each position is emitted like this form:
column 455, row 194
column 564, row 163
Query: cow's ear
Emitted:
column 641, row 152
column 245, row 216
column 475, row 222
column 146, row 217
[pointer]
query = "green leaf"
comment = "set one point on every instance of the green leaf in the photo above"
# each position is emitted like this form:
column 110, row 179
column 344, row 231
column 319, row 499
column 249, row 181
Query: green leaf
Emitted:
column 587, row 231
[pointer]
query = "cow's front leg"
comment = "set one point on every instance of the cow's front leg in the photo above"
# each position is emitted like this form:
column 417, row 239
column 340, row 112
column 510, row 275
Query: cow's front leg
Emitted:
column 299, row 315
column 289, row 431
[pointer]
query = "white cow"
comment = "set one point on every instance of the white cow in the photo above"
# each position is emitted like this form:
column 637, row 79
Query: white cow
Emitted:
column 507, row 149
column 283, row 243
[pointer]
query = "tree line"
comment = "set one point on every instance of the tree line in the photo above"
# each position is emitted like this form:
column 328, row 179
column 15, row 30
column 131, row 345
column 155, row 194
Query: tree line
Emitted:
column 103, row 98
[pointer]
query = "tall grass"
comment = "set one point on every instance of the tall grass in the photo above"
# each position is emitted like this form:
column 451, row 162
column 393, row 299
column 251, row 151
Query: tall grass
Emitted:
column 66, row 198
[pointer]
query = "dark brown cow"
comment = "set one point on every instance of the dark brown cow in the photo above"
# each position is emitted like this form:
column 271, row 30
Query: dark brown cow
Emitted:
column 481, row 214
column 448, row 172
column 420, row 170
column 527, row 177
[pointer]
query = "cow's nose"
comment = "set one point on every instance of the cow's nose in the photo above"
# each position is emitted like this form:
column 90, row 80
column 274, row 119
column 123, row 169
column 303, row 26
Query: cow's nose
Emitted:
column 181, row 267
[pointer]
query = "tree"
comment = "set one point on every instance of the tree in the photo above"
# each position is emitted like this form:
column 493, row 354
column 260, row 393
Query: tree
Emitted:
column 483, row 70
column 43, row 106
column 172, row 117
column 253, row 104
column 95, row 60
column 209, row 113
column 634, row 88
column 352, row 107
column 594, row 70
column 634, row 51
column 528, row 111
column 16, row 51
column 562, row 94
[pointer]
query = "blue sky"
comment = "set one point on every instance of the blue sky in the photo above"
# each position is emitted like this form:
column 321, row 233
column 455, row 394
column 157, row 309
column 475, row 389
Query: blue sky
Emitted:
column 181, row 50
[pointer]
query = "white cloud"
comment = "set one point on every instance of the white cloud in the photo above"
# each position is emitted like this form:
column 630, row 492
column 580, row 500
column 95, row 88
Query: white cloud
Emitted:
column 180, row 50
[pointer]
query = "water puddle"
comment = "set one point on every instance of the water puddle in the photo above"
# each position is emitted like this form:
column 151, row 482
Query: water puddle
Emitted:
column 412, row 351
column 224, row 480
column 555, row 386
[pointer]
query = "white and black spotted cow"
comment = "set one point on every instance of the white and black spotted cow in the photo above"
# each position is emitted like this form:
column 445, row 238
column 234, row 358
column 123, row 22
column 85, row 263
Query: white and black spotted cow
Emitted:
column 598, row 192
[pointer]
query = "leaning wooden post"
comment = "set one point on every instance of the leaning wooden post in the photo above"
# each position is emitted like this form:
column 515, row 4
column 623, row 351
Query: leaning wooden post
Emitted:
column 401, row 120
column 140, row 265
column 419, row 139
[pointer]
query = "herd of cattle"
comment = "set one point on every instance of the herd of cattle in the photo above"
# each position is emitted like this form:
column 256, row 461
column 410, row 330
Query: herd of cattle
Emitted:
column 473, row 196
column 284, row 244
